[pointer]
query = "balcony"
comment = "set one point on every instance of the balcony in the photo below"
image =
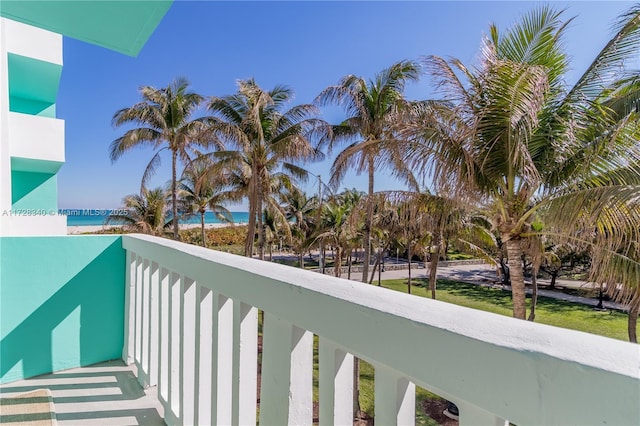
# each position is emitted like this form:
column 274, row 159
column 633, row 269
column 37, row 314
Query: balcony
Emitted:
column 33, row 137
column 186, row 318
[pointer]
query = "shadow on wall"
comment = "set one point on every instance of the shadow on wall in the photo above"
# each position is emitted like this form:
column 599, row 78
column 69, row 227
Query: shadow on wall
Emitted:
column 62, row 303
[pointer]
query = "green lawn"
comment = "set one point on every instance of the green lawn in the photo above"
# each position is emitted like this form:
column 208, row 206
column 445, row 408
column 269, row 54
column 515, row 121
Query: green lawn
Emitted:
column 548, row 311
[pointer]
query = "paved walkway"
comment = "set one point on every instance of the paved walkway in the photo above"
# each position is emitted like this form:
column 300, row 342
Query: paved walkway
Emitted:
column 487, row 276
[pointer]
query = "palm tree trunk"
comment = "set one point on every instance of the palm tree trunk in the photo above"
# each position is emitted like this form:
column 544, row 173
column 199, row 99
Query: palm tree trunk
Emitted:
column 514, row 259
column 204, row 242
column 632, row 322
column 261, row 230
column 409, row 279
column 433, row 269
column 174, row 194
column 337, row 262
column 375, row 268
column 369, row 223
column 554, row 276
column 349, row 261
column 301, row 258
column 251, row 226
column 534, row 294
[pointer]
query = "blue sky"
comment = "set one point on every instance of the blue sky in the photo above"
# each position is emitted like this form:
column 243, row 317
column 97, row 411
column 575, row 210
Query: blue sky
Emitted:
column 306, row 45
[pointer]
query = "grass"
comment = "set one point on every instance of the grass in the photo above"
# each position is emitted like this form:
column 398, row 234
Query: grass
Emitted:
column 548, row 311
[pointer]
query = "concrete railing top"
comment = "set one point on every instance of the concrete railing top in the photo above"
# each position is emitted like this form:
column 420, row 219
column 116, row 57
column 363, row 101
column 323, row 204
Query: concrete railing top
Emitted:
column 526, row 372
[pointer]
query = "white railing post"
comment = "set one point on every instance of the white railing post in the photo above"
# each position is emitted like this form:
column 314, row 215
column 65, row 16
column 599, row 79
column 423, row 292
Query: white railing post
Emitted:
column 138, row 309
column 154, row 324
column 164, row 325
column 222, row 366
column 129, row 309
column 395, row 398
column 245, row 363
column 336, row 384
column 143, row 368
column 172, row 412
column 287, row 368
column 301, row 377
column 469, row 415
column 205, row 349
column 188, row 352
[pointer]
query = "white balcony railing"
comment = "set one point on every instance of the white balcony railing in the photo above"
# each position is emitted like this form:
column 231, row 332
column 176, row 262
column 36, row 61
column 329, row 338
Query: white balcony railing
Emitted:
column 36, row 138
column 192, row 330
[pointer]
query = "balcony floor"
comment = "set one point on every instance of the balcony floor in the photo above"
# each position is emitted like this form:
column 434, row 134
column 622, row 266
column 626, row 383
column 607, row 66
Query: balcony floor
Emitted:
column 102, row 394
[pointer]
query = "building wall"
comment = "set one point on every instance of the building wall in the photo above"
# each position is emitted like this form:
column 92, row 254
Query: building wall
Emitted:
column 31, row 138
column 61, row 303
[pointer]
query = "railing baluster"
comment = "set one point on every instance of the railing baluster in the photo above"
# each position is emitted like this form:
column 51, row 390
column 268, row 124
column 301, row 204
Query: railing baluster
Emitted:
column 138, row 317
column 336, row 384
column 245, row 363
column 173, row 415
column 143, row 369
column 205, row 348
column 188, row 352
column 154, row 324
column 129, row 310
column 287, row 368
column 222, row 366
column 395, row 398
column 164, row 321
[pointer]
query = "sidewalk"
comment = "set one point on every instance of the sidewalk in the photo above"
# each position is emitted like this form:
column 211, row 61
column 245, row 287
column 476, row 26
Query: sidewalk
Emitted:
column 486, row 275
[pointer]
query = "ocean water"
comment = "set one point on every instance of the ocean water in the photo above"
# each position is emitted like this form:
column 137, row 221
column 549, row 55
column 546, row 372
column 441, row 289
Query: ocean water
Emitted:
column 94, row 217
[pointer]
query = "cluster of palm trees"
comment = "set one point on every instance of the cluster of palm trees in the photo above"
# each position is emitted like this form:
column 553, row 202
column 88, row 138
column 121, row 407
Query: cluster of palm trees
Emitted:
column 514, row 156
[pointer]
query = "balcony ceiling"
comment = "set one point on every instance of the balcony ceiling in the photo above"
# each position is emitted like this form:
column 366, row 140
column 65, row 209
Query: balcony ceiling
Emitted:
column 123, row 26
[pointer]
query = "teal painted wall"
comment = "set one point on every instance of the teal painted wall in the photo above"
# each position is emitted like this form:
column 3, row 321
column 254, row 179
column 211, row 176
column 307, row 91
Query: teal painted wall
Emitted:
column 61, row 303
column 33, row 190
column 123, row 26
column 33, row 85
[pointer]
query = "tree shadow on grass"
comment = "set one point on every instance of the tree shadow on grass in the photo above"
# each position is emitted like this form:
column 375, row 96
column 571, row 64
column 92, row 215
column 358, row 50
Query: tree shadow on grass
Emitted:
column 501, row 297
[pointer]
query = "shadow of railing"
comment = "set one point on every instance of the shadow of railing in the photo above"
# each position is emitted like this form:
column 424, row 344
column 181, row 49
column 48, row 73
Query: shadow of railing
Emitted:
column 105, row 393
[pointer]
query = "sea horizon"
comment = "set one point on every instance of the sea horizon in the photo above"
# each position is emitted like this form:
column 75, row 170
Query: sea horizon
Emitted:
column 98, row 217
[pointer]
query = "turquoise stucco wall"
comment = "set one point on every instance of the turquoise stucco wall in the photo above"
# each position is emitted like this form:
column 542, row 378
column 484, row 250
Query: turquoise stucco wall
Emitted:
column 34, row 190
column 61, row 303
column 33, row 85
column 123, row 26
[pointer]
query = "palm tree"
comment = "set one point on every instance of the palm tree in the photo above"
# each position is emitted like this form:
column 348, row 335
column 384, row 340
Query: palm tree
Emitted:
column 164, row 116
column 371, row 109
column 298, row 207
column 198, row 190
column 336, row 228
column 511, row 131
column 145, row 212
column 268, row 143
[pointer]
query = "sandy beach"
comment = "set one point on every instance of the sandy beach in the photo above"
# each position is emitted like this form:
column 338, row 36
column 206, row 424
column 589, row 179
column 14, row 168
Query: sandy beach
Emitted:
column 76, row 230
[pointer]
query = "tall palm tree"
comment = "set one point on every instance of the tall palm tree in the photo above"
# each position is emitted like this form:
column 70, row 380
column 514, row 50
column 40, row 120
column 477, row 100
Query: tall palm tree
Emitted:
column 298, row 207
column 165, row 119
column 200, row 190
column 267, row 141
column 145, row 212
column 336, row 228
column 371, row 109
column 512, row 131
